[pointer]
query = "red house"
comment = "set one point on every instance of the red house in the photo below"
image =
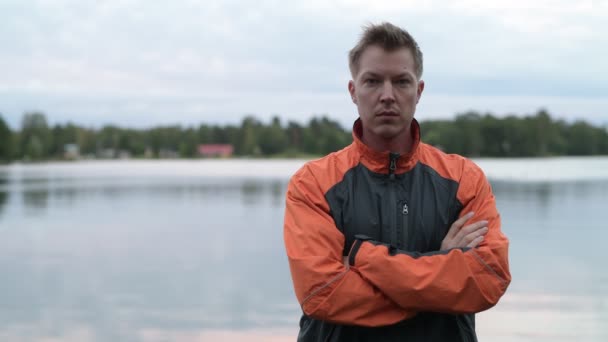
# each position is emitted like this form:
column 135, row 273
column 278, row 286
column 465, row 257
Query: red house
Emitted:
column 215, row 150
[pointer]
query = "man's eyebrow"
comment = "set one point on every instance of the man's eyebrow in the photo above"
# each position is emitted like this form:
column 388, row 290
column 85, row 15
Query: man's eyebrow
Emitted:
column 370, row 73
column 404, row 74
column 374, row 74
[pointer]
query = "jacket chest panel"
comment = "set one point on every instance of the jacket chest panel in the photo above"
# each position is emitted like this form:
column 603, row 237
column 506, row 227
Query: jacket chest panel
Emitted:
column 410, row 212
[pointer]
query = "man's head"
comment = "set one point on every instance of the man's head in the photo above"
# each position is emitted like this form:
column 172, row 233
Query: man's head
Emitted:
column 386, row 66
column 390, row 38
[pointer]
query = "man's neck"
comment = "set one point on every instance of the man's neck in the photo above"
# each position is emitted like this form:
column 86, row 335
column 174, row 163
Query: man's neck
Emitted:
column 400, row 144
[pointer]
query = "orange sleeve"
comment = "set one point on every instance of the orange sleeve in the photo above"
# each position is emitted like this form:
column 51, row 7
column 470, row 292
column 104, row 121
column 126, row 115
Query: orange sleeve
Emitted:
column 327, row 289
column 457, row 281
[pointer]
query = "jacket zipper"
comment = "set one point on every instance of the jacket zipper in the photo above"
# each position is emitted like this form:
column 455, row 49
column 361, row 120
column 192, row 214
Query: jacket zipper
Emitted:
column 399, row 209
column 392, row 188
column 392, row 165
column 404, row 226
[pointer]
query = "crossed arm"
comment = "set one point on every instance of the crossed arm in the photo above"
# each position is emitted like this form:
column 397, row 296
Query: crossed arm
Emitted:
column 376, row 285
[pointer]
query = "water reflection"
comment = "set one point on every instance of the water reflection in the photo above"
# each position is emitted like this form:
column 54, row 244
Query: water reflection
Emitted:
column 173, row 254
column 543, row 191
column 123, row 259
column 36, row 200
column 547, row 198
column 3, row 201
column 252, row 190
column 4, row 193
column 278, row 190
column 38, row 194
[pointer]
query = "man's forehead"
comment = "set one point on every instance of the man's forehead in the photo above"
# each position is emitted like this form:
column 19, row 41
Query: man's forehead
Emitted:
column 382, row 62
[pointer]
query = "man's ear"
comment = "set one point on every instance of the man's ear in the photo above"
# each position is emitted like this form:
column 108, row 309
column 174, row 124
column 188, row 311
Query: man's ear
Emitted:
column 419, row 90
column 351, row 90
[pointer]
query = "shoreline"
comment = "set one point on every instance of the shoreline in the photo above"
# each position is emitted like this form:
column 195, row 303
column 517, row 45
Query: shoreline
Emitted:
column 521, row 170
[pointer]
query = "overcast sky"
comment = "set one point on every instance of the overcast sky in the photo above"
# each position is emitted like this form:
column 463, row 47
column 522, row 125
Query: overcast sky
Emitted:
column 144, row 63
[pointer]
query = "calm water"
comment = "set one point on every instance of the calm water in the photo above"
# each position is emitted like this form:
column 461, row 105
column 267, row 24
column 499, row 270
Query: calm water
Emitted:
column 193, row 251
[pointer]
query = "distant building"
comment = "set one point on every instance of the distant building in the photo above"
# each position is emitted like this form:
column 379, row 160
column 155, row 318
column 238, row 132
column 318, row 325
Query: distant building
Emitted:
column 166, row 153
column 215, row 150
column 106, row 153
column 124, row 154
column 148, row 153
column 71, row 151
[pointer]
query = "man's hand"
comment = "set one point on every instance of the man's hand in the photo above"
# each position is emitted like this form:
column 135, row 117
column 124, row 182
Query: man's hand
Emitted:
column 467, row 236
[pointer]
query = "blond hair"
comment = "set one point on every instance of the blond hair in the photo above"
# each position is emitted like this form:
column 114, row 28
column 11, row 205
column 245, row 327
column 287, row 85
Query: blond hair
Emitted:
column 390, row 38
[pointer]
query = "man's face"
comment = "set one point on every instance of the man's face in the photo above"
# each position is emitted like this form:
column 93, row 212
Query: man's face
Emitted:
column 386, row 91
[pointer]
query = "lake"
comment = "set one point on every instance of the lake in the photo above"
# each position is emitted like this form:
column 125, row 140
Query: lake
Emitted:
column 193, row 251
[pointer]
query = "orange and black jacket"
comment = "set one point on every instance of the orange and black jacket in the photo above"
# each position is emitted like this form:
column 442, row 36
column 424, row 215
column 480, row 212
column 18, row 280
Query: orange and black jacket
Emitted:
column 388, row 214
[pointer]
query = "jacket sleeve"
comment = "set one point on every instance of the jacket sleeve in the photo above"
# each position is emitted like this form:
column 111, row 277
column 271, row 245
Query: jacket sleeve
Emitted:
column 327, row 289
column 455, row 281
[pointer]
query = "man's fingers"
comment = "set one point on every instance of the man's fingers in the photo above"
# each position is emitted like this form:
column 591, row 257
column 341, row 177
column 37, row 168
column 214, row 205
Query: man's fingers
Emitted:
column 474, row 236
column 463, row 240
column 460, row 236
column 455, row 228
column 475, row 242
column 461, row 221
column 473, row 227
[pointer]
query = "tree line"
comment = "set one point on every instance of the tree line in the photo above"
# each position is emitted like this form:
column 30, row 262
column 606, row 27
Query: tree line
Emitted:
column 471, row 134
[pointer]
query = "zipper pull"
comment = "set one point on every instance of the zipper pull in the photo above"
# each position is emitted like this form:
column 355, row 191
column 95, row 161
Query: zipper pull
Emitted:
column 392, row 167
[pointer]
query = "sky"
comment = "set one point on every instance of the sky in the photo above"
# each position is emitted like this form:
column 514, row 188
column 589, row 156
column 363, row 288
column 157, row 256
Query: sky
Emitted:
column 137, row 63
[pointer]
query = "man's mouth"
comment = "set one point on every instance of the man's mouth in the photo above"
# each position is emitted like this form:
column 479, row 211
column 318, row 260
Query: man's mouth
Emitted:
column 387, row 113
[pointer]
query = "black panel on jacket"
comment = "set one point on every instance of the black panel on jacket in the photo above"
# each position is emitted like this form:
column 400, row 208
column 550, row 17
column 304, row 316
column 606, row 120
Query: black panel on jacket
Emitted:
column 361, row 204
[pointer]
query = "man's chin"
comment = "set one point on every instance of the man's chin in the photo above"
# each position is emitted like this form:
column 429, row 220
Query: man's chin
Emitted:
column 387, row 132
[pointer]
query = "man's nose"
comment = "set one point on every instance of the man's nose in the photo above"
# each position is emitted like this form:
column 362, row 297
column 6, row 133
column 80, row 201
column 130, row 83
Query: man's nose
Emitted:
column 387, row 95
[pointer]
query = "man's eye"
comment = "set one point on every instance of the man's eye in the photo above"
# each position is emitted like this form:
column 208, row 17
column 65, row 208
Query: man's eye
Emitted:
column 403, row 82
column 371, row 81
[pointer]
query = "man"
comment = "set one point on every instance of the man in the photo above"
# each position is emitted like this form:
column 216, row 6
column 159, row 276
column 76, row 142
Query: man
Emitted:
column 390, row 239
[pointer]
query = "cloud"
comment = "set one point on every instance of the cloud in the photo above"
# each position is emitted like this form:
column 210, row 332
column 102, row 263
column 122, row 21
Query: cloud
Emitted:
column 187, row 57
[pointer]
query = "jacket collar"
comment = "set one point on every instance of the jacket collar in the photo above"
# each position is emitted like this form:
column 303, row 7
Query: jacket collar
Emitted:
column 379, row 161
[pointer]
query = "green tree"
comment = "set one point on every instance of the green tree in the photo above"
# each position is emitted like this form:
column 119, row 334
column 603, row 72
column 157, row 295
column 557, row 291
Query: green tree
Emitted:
column 294, row 135
column 584, row 139
column 36, row 138
column 188, row 145
column 518, row 134
column 86, row 139
column 109, row 137
column 166, row 138
column 6, row 142
column 559, row 144
column 247, row 142
column 62, row 135
column 494, row 137
column 443, row 135
column 204, row 134
column 544, row 133
column 471, row 141
column 273, row 139
column 133, row 141
column 469, row 134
